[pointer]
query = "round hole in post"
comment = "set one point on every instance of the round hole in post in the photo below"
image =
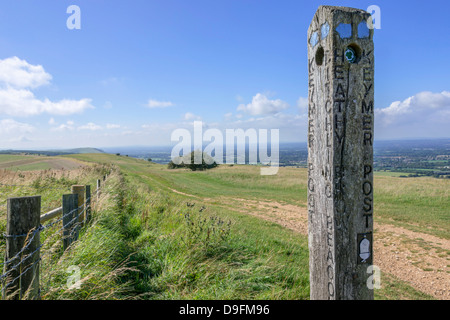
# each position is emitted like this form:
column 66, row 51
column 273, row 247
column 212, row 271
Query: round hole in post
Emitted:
column 353, row 53
column 319, row 56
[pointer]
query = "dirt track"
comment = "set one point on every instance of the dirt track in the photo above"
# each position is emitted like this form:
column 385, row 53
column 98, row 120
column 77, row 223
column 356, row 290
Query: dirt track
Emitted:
column 416, row 258
column 419, row 259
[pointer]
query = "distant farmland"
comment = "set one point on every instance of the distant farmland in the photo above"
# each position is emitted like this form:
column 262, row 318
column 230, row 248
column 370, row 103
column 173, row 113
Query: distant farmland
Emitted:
column 32, row 162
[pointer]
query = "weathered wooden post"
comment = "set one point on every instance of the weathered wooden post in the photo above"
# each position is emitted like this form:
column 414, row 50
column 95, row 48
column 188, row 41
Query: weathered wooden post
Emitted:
column 69, row 212
column 80, row 190
column 98, row 189
column 340, row 153
column 88, row 204
column 22, row 248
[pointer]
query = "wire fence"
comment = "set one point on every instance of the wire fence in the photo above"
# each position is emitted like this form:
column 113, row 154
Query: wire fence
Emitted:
column 20, row 277
column 28, row 189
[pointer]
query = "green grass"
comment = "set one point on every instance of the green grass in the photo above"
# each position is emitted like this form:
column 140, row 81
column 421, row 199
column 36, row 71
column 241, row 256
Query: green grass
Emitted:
column 390, row 173
column 237, row 181
column 187, row 258
column 95, row 244
column 182, row 253
column 393, row 288
column 12, row 157
column 260, row 259
column 102, row 255
column 419, row 204
column 199, row 258
column 32, row 167
column 146, row 242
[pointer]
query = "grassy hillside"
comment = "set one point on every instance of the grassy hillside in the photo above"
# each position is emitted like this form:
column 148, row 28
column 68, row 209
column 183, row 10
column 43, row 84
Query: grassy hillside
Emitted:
column 50, row 152
column 36, row 162
column 223, row 192
column 419, row 204
column 189, row 249
column 414, row 203
column 176, row 234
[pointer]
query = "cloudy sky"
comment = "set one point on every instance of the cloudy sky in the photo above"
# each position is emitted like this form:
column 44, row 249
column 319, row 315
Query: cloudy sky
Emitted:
column 137, row 70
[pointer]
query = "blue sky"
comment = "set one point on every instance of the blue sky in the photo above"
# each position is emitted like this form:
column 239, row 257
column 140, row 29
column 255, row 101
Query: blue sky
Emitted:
column 137, row 70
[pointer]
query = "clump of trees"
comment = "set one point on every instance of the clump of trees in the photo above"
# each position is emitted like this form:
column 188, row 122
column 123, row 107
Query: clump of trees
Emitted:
column 188, row 162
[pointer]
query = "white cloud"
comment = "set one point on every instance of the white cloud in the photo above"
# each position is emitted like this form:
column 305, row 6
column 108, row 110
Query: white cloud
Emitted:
column 112, row 126
column 10, row 126
column 62, row 127
column 127, row 133
column 159, row 104
column 17, row 77
column 16, row 142
column 90, row 126
column 68, row 126
column 261, row 105
column 160, row 127
column 23, row 139
column 190, row 116
column 292, row 127
column 51, row 121
column 302, row 104
column 22, row 102
column 20, row 74
column 425, row 114
column 228, row 116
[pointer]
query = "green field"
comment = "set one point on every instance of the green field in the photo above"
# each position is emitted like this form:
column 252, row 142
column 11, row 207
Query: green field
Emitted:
column 268, row 241
column 12, row 157
column 419, row 204
column 32, row 166
column 176, row 234
column 389, row 173
column 35, row 163
column 414, row 203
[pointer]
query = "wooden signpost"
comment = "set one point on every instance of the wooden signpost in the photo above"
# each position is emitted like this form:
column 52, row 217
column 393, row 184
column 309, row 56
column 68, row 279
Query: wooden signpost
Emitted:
column 340, row 153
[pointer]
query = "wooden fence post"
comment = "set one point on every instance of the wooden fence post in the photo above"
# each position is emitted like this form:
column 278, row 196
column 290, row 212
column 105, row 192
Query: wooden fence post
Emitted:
column 88, row 204
column 98, row 188
column 69, row 205
column 80, row 190
column 23, row 241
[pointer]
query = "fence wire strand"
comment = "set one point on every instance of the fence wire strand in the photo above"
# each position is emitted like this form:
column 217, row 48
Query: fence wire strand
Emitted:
column 70, row 225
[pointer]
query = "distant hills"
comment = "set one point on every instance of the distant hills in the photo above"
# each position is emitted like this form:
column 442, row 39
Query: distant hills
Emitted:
column 83, row 150
column 53, row 152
